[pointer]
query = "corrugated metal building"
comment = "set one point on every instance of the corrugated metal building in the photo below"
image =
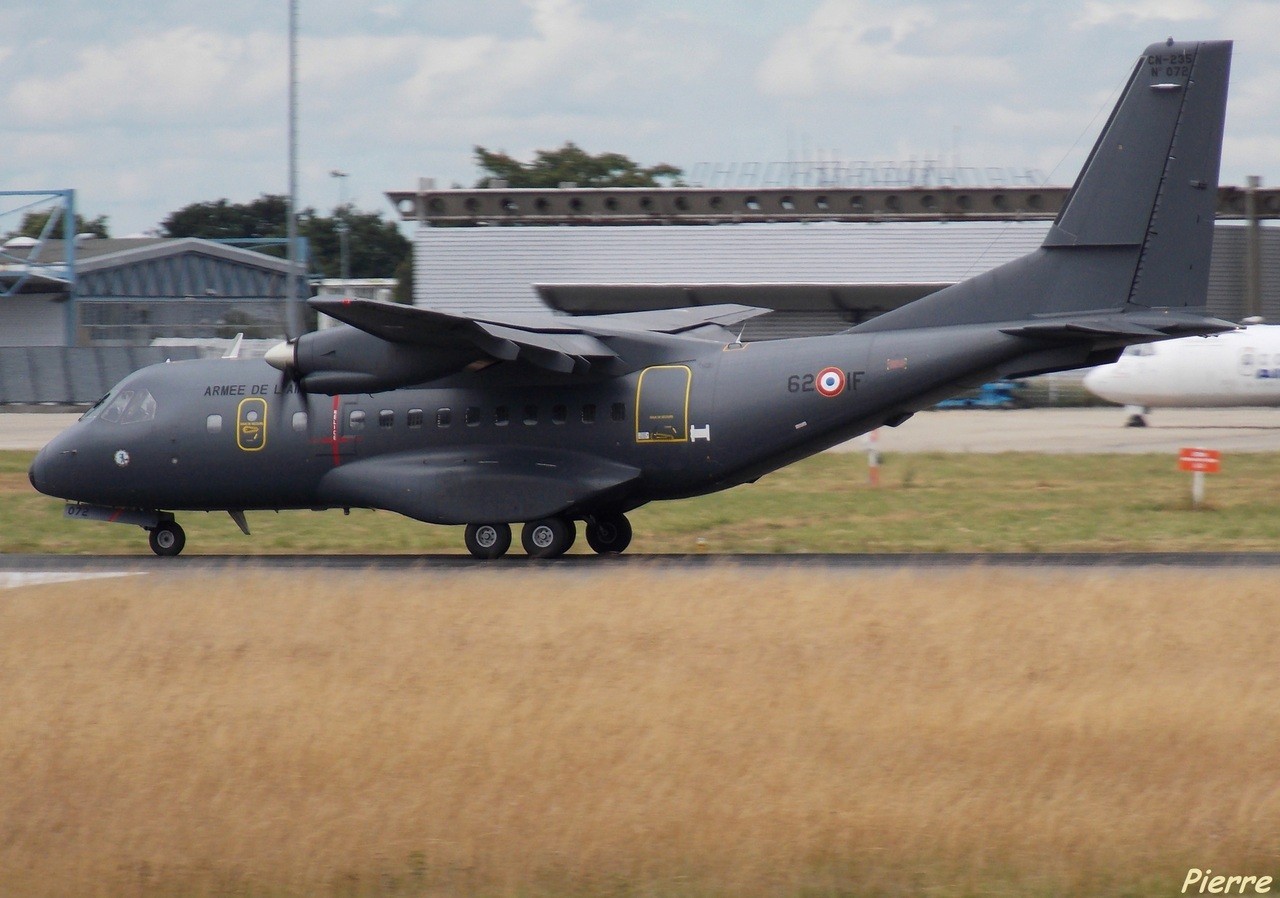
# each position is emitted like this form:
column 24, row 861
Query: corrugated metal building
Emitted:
column 130, row 290
column 499, row 269
column 60, row 347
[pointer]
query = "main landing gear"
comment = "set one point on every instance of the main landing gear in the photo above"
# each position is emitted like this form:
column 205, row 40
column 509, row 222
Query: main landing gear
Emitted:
column 550, row 537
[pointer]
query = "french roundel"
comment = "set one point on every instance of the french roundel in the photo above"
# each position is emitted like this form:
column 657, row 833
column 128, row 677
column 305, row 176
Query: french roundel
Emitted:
column 830, row 382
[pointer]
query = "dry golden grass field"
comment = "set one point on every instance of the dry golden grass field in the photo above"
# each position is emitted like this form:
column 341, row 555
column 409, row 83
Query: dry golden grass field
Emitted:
column 534, row 733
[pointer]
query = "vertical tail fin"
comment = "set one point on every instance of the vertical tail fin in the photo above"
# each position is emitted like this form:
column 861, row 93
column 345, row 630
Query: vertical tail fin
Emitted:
column 1151, row 181
column 1136, row 231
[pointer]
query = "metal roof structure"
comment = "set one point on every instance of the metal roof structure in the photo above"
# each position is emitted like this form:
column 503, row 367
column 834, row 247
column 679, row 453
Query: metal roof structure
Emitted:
column 128, row 290
column 155, row 267
column 574, row 205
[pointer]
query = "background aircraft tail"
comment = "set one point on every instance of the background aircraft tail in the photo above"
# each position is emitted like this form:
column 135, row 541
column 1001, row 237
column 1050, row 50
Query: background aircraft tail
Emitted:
column 1135, row 234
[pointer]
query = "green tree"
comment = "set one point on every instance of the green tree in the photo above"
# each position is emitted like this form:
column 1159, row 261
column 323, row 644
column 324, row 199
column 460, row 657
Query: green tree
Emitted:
column 404, row 282
column 33, row 225
column 377, row 246
column 222, row 219
column 570, row 163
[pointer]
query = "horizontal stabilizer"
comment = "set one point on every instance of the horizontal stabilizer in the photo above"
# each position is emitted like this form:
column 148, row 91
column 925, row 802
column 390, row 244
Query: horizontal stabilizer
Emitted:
column 1122, row 327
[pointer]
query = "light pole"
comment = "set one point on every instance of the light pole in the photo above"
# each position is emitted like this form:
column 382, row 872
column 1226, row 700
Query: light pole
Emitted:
column 344, row 229
column 293, row 311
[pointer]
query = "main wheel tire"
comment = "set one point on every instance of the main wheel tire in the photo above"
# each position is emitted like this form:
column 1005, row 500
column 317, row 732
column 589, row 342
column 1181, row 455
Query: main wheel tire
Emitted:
column 548, row 538
column 609, row 533
column 167, row 539
column 488, row 541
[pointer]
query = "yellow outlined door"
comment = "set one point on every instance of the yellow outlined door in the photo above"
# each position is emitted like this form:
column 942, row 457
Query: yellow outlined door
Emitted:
column 251, row 424
column 662, row 404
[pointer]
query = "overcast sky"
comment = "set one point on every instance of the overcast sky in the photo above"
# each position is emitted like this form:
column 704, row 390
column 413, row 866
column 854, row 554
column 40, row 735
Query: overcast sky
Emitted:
column 145, row 106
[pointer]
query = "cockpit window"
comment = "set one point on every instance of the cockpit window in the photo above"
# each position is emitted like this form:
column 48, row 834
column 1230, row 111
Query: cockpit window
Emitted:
column 94, row 409
column 129, row 407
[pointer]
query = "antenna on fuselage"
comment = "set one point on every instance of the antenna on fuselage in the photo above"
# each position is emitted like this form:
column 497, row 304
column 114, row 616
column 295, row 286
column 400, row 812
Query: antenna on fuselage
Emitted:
column 234, row 351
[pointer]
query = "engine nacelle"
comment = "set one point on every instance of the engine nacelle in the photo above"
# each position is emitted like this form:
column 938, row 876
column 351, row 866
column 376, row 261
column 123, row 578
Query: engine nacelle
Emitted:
column 346, row 360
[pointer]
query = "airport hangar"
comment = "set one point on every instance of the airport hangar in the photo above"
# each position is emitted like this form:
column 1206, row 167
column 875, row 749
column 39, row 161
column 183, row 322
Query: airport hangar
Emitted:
column 76, row 317
column 824, row 258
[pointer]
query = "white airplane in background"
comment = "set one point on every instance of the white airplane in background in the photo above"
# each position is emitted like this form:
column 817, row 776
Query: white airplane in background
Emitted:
column 1235, row 368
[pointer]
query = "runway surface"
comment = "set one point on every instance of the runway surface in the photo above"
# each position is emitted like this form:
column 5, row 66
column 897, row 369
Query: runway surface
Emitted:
column 1058, row 430
column 24, row 570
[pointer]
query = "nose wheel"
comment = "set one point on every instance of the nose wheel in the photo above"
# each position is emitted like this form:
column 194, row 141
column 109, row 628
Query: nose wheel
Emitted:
column 167, row 538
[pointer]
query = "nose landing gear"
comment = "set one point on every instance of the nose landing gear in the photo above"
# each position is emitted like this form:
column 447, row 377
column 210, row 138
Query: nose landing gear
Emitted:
column 167, row 538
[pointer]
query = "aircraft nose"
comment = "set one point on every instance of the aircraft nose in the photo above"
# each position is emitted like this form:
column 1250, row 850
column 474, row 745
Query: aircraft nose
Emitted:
column 49, row 467
column 1097, row 378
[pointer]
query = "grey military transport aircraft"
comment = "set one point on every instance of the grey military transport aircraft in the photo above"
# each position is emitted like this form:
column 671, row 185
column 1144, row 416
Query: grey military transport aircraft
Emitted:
column 548, row 421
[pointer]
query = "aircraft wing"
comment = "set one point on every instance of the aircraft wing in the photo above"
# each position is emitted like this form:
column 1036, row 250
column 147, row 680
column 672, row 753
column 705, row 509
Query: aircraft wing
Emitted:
column 494, row 483
column 556, row 343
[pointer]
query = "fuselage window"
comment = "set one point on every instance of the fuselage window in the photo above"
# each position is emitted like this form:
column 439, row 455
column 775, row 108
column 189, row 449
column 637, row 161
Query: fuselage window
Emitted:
column 444, row 417
column 300, row 422
column 559, row 414
column 472, row 416
column 618, row 412
column 501, row 417
column 589, row 414
column 356, row 420
column 386, row 418
column 530, row 414
column 213, row 424
column 415, row 417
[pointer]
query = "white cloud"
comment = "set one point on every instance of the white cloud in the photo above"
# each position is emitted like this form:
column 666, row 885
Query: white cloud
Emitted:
column 860, row 48
column 176, row 74
column 147, row 106
column 567, row 58
column 1131, row 12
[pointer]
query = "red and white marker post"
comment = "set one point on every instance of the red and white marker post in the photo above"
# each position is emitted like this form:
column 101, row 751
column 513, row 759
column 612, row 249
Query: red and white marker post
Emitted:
column 1199, row 462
